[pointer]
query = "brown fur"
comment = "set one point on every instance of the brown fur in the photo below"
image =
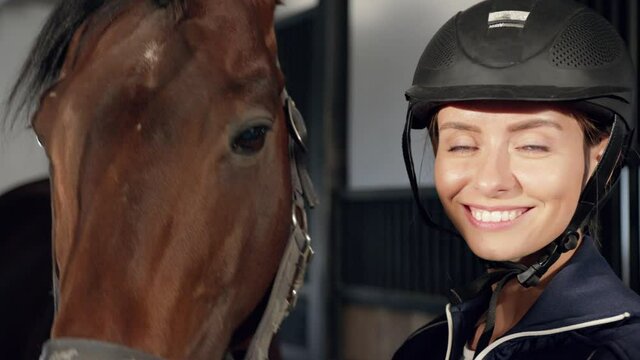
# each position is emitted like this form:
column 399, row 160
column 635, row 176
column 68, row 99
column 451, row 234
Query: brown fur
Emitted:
column 165, row 238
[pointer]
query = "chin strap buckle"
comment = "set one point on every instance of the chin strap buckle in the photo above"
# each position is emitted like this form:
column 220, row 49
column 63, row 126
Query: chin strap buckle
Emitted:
column 569, row 241
column 531, row 276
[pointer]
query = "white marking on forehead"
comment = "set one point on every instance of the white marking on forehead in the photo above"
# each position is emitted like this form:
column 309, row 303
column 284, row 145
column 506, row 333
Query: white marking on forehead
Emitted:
column 149, row 61
column 151, row 53
column 508, row 15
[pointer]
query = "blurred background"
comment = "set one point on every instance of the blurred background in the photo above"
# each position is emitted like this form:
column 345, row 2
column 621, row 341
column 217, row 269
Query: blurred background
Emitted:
column 378, row 272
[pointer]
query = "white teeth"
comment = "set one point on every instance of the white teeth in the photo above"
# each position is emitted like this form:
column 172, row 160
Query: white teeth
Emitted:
column 495, row 216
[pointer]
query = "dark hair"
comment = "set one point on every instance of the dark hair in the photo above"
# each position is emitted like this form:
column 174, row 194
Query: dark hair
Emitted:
column 593, row 135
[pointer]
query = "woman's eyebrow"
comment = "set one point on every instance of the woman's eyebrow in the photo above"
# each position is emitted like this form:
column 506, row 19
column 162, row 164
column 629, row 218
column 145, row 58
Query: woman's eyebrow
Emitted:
column 534, row 123
column 459, row 126
column 524, row 125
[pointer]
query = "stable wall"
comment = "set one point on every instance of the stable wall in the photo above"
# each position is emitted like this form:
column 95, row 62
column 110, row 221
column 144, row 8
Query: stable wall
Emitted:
column 21, row 159
column 385, row 42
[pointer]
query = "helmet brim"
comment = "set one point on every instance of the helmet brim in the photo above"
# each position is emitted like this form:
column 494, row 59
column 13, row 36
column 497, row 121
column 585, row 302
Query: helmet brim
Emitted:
column 423, row 101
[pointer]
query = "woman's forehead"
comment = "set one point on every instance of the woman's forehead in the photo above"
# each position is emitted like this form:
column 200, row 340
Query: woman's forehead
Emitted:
column 506, row 107
column 504, row 111
column 506, row 117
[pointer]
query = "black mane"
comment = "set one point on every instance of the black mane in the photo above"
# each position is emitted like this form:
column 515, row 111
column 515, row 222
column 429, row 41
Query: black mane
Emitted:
column 47, row 55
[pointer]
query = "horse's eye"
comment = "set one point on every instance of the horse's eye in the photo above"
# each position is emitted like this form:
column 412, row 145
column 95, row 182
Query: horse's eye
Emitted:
column 250, row 141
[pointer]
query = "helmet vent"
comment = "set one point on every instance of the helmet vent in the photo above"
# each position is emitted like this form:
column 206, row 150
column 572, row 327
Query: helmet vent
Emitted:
column 588, row 42
column 441, row 51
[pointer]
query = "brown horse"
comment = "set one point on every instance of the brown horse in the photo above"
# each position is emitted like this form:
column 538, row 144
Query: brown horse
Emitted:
column 166, row 124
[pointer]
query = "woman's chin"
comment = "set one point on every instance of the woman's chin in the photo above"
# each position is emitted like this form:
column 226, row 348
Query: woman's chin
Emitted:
column 496, row 250
column 497, row 257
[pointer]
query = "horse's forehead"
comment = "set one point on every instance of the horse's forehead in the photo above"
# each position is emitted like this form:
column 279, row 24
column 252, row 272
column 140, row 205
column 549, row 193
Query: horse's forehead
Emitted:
column 257, row 14
column 216, row 45
column 227, row 37
column 234, row 20
column 231, row 33
column 233, row 42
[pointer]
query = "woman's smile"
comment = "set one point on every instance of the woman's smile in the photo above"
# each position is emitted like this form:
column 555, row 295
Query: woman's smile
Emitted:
column 496, row 218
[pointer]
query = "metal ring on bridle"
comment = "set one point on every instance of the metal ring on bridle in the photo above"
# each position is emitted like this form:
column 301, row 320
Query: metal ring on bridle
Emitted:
column 296, row 127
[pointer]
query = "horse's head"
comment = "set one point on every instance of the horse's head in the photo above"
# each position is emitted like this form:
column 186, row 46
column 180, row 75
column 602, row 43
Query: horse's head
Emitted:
column 170, row 168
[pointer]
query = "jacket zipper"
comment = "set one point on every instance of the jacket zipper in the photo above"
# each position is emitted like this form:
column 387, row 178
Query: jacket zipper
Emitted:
column 450, row 331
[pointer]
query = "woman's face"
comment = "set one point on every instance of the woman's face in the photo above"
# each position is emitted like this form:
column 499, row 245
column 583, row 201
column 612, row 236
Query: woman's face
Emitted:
column 510, row 175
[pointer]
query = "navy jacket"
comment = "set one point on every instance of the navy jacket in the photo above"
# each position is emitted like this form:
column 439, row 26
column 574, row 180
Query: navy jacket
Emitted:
column 585, row 312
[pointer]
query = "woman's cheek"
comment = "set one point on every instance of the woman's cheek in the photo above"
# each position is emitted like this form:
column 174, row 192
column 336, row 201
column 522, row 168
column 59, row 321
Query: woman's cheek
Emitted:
column 450, row 176
column 549, row 178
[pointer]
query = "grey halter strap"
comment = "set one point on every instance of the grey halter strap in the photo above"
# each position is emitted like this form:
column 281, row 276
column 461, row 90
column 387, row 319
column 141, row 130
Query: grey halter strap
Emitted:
column 289, row 277
column 75, row 349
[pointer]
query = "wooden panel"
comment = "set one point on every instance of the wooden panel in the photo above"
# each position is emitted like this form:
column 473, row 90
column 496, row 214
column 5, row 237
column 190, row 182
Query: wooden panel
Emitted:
column 374, row 333
column 383, row 243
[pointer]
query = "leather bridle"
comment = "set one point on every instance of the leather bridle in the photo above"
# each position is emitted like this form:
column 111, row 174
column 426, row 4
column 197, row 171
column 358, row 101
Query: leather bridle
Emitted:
column 289, row 277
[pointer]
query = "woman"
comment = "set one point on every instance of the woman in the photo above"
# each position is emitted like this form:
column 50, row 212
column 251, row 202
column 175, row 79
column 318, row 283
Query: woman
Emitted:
column 528, row 106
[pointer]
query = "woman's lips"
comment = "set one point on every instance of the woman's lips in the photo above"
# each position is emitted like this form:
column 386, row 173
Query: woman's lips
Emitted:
column 494, row 218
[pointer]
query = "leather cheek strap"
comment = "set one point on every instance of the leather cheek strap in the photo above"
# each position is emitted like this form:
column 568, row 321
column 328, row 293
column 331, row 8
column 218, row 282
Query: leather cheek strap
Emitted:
column 413, row 181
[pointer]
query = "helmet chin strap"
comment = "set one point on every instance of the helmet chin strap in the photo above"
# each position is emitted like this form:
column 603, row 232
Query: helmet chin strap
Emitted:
column 413, row 181
column 531, row 275
column 593, row 195
column 526, row 276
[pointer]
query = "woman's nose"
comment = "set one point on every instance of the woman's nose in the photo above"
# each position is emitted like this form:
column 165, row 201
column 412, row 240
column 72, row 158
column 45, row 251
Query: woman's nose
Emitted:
column 494, row 176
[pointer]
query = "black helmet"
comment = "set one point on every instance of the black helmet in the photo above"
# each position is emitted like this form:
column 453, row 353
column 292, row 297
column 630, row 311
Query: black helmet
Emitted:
column 529, row 50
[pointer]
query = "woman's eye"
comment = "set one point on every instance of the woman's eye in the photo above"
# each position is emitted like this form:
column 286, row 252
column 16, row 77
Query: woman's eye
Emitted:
column 462, row 148
column 534, row 148
column 250, row 141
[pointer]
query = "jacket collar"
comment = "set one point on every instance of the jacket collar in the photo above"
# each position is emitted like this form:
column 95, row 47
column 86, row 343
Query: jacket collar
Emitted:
column 462, row 321
column 585, row 289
